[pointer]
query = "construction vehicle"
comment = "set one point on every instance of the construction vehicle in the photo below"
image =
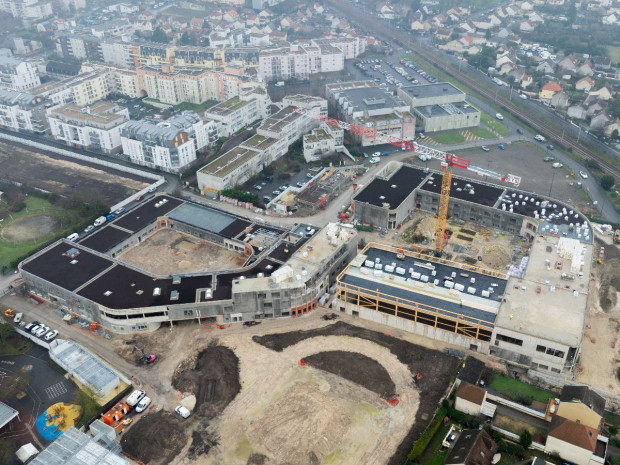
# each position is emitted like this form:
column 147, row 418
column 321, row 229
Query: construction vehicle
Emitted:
column 9, row 313
column 617, row 236
column 329, row 316
column 448, row 161
column 146, row 358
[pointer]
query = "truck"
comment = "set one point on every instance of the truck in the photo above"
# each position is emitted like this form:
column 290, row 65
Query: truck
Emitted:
column 99, row 221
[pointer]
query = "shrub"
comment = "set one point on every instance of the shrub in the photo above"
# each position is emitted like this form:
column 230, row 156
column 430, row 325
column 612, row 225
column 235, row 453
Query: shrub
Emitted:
column 425, row 438
column 525, row 439
column 240, row 195
column 607, row 182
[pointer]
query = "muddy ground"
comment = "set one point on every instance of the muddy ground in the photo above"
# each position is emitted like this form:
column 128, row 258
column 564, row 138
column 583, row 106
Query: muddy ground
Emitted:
column 155, row 439
column 358, row 368
column 212, row 376
column 435, row 367
column 65, row 177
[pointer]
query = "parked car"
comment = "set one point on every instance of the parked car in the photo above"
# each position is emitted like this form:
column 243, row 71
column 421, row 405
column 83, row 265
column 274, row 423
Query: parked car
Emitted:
column 35, row 328
column 501, row 146
column 519, row 131
column 549, row 158
column 499, row 116
column 152, row 189
column 51, row 335
column 539, row 138
column 143, row 404
column 309, row 175
column 550, row 147
column 276, row 193
column 135, row 397
column 583, row 174
column 258, row 188
column 557, row 165
column 18, row 317
column 29, row 326
column 41, row 331
column 119, row 211
column 485, row 148
column 139, row 197
column 182, row 411
column 89, row 228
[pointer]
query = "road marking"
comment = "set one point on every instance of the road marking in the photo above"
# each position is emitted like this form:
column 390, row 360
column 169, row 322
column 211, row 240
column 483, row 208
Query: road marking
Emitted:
column 55, row 390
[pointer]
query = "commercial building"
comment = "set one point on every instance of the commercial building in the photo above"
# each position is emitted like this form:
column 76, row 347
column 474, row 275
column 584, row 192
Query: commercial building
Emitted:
column 97, row 127
column 168, row 145
column 240, row 111
column 22, row 111
column 18, row 75
column 440, row 107
column 172, row 85
column 285, row 272
column 273, row 137
column 363, row 103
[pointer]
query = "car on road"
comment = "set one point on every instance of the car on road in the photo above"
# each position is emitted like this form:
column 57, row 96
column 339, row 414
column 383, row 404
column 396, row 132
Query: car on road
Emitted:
column 557, row 165
column 300, row 184
column 309, row 175
column 51, row 335
column 539, row 138
column 152, row 189
column 519, row 131
column 549, row 158
column 182, row 411
column 139, row 197
column 485, row 148
column 421, row 135
column 143, row 404
column 89, row 228
column 550, row 147
column 583, row 174
column 119, row 211
column 499, row 116
column 251, row 323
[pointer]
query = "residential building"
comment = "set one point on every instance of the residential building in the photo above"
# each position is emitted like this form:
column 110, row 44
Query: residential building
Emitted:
column 585, row 84
column 575, row 431
column 18, row 75
column 168, row 145
column 473, row 447
column 96, row 127
column 548, row 91
column 322, row 141
column 22, row 111
column 27, row 10
column 351, row 47
column 440, row 107
column 241, row 111
column 469, row 399
column 365, row 104
column 299, row 61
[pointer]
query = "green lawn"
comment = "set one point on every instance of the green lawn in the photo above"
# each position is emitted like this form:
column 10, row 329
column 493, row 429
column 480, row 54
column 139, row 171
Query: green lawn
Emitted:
column 433, row 454
column 197, row 108
column 514, row 389
column 10, row 251
column 613, row 52
column 451, row 137
column 483, row 133
column 494, row 124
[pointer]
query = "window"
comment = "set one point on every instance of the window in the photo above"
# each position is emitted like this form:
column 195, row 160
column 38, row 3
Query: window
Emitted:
column 540, row 348
column 510, row 340
column 555, row 353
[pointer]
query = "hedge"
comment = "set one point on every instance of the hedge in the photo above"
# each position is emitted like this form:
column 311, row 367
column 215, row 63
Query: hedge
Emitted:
column 425, row 438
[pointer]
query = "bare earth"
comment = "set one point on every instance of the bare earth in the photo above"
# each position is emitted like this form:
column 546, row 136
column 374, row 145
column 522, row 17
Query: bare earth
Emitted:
column 65, row 177
column 167, row 252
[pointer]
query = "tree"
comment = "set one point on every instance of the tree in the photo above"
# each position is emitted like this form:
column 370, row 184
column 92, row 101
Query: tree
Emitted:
column 160, row 36
column 6, row 330
column 185, row 39
column 607, row 182
column 525, row 439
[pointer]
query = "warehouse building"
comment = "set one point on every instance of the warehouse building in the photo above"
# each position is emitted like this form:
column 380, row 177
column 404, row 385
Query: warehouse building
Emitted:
column 285, row 272
column 363, row 103
column 440, row 107
column 531, row 318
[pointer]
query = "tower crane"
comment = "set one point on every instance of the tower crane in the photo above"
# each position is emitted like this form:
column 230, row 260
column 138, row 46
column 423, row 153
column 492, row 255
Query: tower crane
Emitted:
column 448, row 161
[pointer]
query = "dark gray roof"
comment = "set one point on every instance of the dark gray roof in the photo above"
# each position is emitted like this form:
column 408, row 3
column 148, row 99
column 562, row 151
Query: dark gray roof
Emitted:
column 432, row 90
column 6, row 414
column 405, row 180
column 585, row 395
column 472, row 370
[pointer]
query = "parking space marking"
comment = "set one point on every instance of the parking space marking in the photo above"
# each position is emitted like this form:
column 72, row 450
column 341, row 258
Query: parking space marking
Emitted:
column 55, row 390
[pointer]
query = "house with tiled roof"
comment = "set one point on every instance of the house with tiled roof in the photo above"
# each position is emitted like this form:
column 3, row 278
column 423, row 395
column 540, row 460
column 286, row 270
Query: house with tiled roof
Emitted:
column 526, row 26
column 585, row 69
column 548, row 91
column 585, row 84
column 568, row 63
column 473, row 447
column 472, row 400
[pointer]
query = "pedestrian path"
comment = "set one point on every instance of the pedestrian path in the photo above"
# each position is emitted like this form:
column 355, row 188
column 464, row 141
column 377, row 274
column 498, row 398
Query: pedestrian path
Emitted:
column 470, row 136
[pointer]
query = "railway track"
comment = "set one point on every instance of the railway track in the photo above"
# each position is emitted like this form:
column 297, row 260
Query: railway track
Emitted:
column 405, row 39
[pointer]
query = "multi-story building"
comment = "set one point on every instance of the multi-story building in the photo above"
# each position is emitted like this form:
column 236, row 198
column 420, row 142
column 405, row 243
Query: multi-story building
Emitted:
column 285, row 272
column 272, row 140
column 239, row 112
column 194, row 85
column 116, row 53
column 168, row 145
column 322, row 141
column 18, row 75
column 365, row 104
column 97, row 127
column 28, row 10
column 299, row 61
column 22, row 111
column 440, row 107
column 351, row 47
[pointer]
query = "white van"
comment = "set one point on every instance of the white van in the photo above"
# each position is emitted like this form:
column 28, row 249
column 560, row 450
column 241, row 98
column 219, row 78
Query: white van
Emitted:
column 135, row 397
column 374, row 160
column 99, row 221
column 539, row 138
column 73, row 237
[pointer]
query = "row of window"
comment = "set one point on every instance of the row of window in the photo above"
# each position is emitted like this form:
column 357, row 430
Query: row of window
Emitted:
column 508, row 339
column 550, row 351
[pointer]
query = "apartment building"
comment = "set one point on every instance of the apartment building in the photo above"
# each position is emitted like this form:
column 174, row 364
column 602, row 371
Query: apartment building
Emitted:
column 239, row 112
column 167, row 145
column 351, row 47
column 28, row 10
column 172, row 85
column 322, row 141
column 365, row 104
column 297, row 61
column 97, row 127
column 272, row 140
column 18, row 75
column 22, row 111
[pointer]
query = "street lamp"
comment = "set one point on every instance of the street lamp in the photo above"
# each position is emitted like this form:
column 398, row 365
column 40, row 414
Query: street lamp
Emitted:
column 551, row 186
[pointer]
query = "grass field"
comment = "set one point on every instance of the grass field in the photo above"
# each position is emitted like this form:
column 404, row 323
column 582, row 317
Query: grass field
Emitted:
column 483, row 133
column 493, row 124
column 451, row 137
column 515, row 389
column 613, row 52
column 64, row 220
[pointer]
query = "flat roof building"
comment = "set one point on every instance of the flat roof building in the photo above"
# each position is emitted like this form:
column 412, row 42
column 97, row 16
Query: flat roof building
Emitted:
column 22, row 111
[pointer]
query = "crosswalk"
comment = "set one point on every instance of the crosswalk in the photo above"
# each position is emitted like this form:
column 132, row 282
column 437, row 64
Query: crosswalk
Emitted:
column 469, row 136
column 427, row 141
column 55, row 390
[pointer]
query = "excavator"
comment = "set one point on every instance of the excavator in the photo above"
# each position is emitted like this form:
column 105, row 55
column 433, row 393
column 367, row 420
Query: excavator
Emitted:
column 9, row 313
column 146, row 358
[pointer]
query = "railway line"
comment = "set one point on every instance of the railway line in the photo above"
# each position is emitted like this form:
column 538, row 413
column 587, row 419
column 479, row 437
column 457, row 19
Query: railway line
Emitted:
column 568, row 141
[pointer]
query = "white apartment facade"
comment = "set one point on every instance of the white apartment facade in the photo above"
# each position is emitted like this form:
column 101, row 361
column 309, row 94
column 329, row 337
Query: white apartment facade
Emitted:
column 322, row 141
column 299, row 61
column 97, row 127
column 29, row 10
column 168, row 145
column 22, row 111
column 241, row 111
column 18, row 75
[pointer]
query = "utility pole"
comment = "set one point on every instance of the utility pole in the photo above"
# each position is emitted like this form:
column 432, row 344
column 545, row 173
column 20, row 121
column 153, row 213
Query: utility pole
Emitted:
column 551, row 186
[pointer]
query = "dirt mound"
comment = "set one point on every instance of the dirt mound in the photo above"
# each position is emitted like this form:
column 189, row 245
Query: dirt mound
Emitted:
column 436, row 369
column 257, row 459
column 203, row 440
column 355, row 367
column 213, row 377
column 155, row 439
column 316, row 419
column 30, row 228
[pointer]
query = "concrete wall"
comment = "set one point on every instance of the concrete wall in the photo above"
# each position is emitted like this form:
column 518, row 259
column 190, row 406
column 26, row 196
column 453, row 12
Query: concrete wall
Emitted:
column 421, row 100
column 463, row 405
column 367, row 213
column 447, row 122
